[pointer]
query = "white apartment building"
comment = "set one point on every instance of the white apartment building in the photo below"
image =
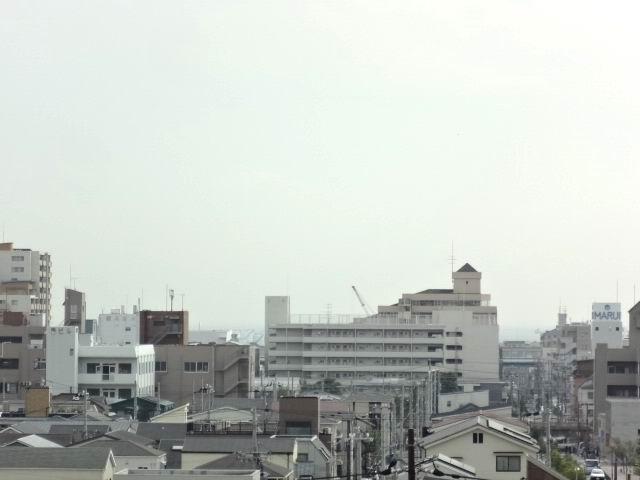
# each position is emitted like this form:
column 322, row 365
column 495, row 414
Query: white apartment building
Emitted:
column 118, row 328
column 25, row 281
column 75, row 363
column 448, row 329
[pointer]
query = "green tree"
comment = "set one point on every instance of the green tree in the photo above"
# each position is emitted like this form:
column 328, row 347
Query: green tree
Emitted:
column 566, row 465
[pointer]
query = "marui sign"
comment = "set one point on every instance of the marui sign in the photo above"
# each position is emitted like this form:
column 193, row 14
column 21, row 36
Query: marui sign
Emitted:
column 605, row 311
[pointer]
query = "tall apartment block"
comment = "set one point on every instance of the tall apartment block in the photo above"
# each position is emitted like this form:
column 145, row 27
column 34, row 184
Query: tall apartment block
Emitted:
column 75, row 309
column 453, row 330
column 164, row 327
column 25, row 282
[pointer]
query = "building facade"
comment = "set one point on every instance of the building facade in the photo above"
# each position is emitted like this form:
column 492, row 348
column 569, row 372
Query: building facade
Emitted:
column 75, row 309
column 25, row 281
column 616, row 386
column 164, row 327
column 184, row 373
column 22, row 356
column 114, row 372
column 453, row 330
column 118, row 328
column 606, row 325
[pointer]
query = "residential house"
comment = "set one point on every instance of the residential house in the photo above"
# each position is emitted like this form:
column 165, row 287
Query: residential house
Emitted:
column 494, row 449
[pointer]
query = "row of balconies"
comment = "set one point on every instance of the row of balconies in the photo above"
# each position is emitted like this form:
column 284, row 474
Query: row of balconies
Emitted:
column 351, row 340
column 349, row 368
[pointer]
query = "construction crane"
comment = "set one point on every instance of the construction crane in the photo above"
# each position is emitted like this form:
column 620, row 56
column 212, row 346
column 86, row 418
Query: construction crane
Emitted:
column 363, row 304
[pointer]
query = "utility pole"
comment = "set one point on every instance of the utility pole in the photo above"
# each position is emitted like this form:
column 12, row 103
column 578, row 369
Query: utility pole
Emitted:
column 401, row 423
column 86, row 427
column 412, row 454
column 350, row 451
column 254, row 433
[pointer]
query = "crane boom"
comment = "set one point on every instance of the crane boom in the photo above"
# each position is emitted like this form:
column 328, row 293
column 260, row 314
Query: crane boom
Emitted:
column 363, row 304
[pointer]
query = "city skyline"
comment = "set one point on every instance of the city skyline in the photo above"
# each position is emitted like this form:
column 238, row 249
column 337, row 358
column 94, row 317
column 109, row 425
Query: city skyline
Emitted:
column 208, row 151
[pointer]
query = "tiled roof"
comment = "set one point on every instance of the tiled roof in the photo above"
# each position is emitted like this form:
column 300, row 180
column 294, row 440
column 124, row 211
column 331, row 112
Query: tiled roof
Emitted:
column 236, row 443
column 94, row 458
column 467, row 268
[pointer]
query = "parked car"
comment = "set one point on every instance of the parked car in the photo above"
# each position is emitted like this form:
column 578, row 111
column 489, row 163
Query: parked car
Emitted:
column 597, row 474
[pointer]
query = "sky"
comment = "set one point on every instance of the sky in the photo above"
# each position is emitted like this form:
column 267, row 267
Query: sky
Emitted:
column 237, row 149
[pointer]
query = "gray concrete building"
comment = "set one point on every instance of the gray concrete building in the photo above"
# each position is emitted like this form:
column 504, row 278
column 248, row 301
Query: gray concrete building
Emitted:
column 185, row 372
column 616, row 386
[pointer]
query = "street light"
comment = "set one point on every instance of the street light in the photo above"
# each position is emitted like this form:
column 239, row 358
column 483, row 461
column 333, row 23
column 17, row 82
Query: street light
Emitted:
column 577, row 470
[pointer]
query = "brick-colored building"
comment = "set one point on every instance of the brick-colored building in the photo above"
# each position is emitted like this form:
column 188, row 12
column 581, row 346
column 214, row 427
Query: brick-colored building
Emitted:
column 158, row 327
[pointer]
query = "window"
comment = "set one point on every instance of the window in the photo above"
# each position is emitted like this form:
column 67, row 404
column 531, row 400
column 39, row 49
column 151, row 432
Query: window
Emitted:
column 109, row 393
column 93, row 392
column 124, row 368
column 124, row 393
column 40, row 364
column 590, row 395
column 303, row 457
column 17, row 269
column 127, row 329
column 93, row 367
column 9, row 363
column 158, row 323
column 4, row 339
column 617, row 329
column 597, row 328
column 17, row 258
column 454, row 347
column 479, row 438
column 196, row 367
column 161, row 366
column 14, row 302
column 507, row 463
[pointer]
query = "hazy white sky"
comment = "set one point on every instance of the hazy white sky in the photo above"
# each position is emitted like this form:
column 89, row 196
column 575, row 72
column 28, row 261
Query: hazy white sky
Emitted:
column 236, row 149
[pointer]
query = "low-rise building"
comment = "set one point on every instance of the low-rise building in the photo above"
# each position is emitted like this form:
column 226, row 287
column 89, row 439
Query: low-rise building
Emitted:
column 197, row 373
column 110, row 371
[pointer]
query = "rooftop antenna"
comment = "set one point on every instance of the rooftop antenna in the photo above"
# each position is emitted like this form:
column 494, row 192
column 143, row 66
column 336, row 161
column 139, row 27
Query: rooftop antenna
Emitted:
column 171, row 295
column 452, row 259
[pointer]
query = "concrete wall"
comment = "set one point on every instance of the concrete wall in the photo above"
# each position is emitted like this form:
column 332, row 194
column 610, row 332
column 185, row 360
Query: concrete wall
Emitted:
column 624, row 423
column 229, row 371
column 118, row 328
column 448, row 402
column 62, row 359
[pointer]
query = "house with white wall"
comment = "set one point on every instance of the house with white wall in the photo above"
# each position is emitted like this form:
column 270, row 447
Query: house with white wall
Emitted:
column 495, row 450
